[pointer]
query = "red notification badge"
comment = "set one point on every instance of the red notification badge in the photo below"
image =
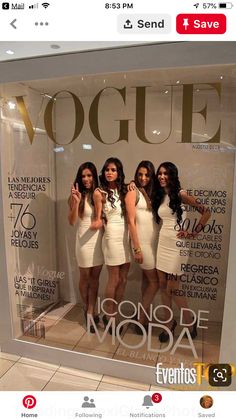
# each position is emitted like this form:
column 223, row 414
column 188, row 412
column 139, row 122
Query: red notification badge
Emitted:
column 156, row 397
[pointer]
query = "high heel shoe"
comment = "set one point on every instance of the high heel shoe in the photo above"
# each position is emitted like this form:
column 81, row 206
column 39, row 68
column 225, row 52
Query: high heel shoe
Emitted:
column 91, row 327
column 121, row 330
column 105, row 322
column 96, row 319
column 110, row 330
column 193, row 332
column 138, row 329
column 164, row 336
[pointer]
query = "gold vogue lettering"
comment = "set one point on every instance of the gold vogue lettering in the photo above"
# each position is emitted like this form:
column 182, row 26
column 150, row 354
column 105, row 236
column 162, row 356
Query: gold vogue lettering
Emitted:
column 79, row 117
column 187, row 113
column 140, row 117
column 93, row 117
column 25, row 117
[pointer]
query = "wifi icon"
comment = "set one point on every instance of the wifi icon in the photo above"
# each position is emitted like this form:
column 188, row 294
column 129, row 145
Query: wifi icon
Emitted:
column 45, row 5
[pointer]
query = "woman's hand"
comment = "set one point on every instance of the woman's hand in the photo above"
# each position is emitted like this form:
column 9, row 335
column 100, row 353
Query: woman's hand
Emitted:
column 75, row 195
column 184, row 234
column 96, row 224
column 138, row 257
column 73, row 202
column 131, row 186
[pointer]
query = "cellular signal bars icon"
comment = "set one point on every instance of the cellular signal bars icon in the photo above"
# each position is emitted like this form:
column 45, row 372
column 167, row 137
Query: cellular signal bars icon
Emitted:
column 34, row 6
column 45, row 5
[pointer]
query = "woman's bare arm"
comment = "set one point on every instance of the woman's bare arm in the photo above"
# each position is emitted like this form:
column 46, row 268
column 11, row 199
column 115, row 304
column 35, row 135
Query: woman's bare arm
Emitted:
column 74, row 201
column 98, row 204
column 130, row 201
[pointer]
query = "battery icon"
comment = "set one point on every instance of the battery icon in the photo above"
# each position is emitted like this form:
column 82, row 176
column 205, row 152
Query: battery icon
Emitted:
column 226, row 5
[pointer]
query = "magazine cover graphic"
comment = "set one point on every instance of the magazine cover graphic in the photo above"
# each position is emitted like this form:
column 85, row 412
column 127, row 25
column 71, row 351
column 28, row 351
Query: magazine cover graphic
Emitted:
column 117, row 195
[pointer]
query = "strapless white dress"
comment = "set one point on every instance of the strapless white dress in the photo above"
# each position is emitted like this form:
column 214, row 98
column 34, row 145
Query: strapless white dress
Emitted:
column 169, row 259
column 115, row 242
column 147, row 230
column 88, row 246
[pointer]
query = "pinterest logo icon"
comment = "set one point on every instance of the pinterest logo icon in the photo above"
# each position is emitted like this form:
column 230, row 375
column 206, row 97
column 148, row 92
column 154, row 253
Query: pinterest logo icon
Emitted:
column 29, row 402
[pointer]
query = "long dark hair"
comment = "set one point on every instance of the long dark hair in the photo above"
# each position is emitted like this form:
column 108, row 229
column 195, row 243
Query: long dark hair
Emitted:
column 120, row 182
column 82, row 189
column 173, row 190
column 149, row 191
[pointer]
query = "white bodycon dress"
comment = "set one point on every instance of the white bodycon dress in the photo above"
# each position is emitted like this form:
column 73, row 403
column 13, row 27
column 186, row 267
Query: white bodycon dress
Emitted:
column 169, row 259
column 147, row 230
column 115, row 242
column 88, row 246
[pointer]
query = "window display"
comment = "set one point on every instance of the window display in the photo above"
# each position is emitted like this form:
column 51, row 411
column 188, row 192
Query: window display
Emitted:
column 117, row 197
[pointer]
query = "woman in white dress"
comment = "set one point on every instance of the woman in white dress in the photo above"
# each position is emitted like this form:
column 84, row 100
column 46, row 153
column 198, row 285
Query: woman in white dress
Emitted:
column 170, row 215
column 110, row 205
column 88, row 242
column 143, row 231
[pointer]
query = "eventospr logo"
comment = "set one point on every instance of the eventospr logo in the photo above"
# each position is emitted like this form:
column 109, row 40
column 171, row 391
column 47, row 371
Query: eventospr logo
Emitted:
column 29, row 402
column 218, row 375
column 179, row 375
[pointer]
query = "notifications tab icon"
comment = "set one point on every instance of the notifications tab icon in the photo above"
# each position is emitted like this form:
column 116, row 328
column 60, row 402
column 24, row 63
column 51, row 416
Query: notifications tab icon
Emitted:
column 201, row 24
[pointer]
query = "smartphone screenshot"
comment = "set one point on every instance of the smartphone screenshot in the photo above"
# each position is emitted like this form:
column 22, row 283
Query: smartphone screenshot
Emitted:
column 117, row 209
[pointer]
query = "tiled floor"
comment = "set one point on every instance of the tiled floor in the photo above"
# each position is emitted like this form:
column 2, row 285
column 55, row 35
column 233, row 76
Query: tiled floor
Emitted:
column 26, row 374
column 65, row 328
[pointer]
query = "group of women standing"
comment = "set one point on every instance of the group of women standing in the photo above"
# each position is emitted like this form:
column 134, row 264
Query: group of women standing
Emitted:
column 149, row 212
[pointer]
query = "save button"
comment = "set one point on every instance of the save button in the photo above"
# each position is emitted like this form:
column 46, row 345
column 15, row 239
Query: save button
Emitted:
column 202, row 23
